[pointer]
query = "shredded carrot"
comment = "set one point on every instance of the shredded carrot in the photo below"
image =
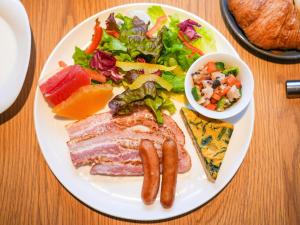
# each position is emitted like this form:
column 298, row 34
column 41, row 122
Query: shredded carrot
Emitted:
column 62, row 64
column 188, row 45
column 159, row 22
column 95, row 75
column 113, row 33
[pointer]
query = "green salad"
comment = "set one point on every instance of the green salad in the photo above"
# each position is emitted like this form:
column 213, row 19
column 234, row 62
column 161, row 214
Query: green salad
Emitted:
column 149, row 59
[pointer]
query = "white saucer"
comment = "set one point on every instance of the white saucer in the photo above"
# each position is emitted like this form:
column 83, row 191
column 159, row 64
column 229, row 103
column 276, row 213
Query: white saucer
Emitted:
column 15, row 49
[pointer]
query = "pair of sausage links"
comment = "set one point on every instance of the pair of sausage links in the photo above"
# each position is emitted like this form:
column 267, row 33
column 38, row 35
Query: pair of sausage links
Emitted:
column 169, row 173
column 151, row 169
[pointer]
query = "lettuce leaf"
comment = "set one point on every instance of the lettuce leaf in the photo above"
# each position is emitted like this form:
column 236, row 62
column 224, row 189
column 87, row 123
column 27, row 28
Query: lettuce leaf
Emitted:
column 123, row 102
column 207, row 41
column 127, row 21
column 176, row 81
column 155, row 105
column 147, row 95
column 155, row 12
column 111, row 23
column 111, row 44
column 133, row 35
column 159, row 103
column 81, row 58
column 123, row 57
column 185, row 61
column 167, row 103
column 173, row 25
column 174, row 48
column 188, row 28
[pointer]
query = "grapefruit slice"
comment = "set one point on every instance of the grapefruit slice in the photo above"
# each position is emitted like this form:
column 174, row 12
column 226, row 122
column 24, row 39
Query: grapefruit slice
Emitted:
column 85, row 101
column 60, row 86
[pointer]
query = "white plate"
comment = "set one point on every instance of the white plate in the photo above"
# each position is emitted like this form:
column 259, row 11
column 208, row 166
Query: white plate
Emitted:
column 120, row 196
column 15, row 48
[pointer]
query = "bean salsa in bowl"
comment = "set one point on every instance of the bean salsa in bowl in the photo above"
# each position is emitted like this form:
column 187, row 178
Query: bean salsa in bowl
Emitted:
column 219, row 85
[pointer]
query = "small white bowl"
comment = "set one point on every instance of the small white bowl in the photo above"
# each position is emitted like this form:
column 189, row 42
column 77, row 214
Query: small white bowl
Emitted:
column 244, row 75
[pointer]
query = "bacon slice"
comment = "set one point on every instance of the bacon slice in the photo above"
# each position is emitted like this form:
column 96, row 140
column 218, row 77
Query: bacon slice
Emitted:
column 110, row 144
column 117, row 169
column 120, row 147
column 104, row 122
column 129, row 169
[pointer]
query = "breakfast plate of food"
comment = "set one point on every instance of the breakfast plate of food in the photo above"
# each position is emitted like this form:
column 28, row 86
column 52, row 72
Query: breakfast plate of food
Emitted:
column 269, row 29
column 113, row 121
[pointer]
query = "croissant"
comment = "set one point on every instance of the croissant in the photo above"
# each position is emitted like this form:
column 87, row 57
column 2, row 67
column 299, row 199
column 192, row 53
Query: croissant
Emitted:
column 269, row 24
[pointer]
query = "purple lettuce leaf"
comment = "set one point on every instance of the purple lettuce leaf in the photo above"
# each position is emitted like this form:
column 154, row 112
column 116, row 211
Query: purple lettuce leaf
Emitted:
column 106, row 64
column 187, row 27
column 111, row 23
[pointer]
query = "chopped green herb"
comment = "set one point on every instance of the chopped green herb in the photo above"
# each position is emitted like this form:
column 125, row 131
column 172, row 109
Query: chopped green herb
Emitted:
column 221, row 104
column 230, row 132
column 195, row 94
column 240, row 90
column 222, row 133
column 233, row 70
column 206, row 140
column 220, row 66
column 219, row 152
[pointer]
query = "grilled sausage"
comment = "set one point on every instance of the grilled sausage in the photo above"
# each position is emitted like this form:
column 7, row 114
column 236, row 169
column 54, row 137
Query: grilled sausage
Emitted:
column 169, row 173
column 151, row 169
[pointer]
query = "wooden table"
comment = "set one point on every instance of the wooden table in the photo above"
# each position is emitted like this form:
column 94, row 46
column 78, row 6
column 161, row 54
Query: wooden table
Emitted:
column 265, row 190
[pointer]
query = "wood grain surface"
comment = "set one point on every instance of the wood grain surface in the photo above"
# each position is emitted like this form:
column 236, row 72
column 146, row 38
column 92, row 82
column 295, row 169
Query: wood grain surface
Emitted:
column 265, row 190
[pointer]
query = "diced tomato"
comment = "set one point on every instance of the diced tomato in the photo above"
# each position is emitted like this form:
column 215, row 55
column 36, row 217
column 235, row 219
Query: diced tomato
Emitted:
column 238, row 84
column 231, row 80
column 211, row 67
column 225, row 90
column 213, row 101
column 218, row 90
column 211, row 106
column 95, row 75
column 61, row 85
column 216, row 96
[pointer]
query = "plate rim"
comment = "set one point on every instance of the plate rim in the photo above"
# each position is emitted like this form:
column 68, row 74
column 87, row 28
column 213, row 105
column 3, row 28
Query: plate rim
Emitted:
column 77, row 193
column 239, row 35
